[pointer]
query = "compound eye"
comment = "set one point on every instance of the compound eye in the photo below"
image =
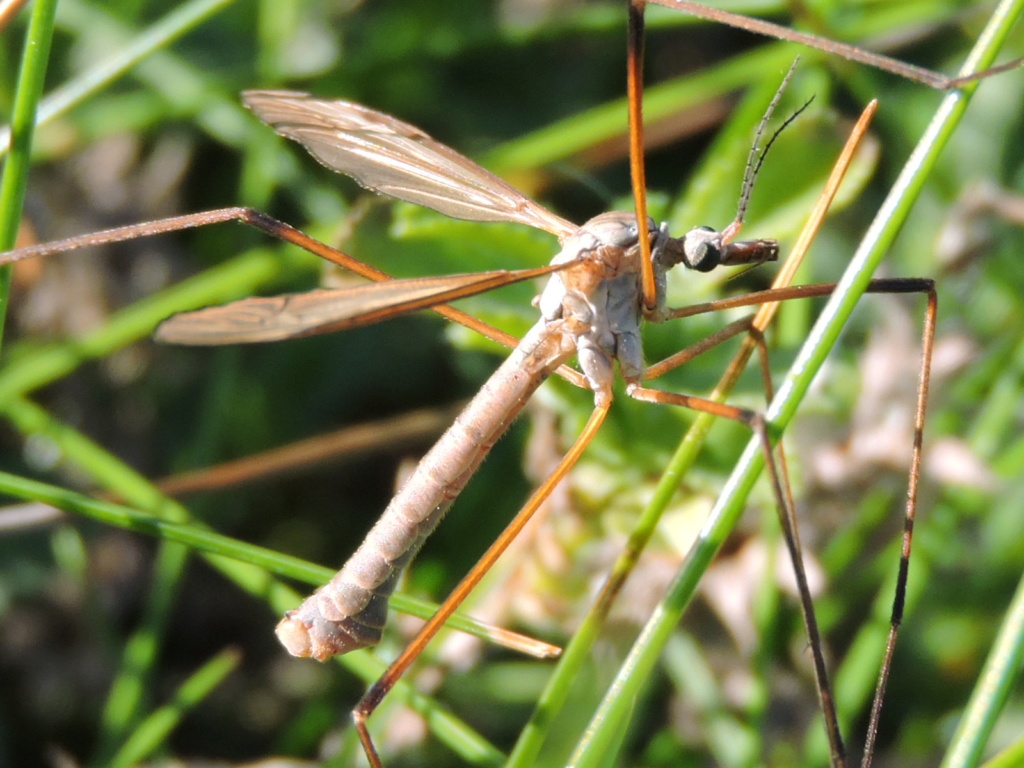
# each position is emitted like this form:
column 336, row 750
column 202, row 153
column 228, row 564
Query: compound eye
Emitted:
column 702, row 249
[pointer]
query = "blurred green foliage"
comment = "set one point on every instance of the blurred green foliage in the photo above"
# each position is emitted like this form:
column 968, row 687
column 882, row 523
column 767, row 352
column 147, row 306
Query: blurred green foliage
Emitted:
column 534, row 91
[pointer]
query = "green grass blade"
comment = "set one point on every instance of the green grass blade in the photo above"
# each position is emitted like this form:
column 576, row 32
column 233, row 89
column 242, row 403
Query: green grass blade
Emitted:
column 128, row 696
column 1011, row 757
column 101, row 75
column 15, row 174
column 562, row 139
column 1002, row 670
column 196, row 536
column 238, row 277
column 154, row 730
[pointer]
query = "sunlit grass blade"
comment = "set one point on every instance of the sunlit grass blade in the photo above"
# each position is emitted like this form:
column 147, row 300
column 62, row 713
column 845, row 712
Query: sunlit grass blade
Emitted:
column 14, row 181
column 99, row 76
column 1001, row 672
column 201, row 539
column 42, row 365
column 156, row 727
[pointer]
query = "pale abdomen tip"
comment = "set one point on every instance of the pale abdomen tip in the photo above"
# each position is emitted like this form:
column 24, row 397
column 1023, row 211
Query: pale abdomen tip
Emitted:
column 294, row 636
column 322, row 638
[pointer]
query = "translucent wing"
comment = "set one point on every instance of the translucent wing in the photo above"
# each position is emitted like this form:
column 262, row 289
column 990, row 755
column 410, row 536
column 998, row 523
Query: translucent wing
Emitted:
column 397, row 159
column 322, row 311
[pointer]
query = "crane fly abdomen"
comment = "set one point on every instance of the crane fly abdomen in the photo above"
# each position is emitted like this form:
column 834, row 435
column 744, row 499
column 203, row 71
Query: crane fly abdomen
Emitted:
column 349, row 611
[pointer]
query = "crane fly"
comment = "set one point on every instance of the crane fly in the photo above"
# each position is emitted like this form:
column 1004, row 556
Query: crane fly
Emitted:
column 601, row 283
column 590, row 309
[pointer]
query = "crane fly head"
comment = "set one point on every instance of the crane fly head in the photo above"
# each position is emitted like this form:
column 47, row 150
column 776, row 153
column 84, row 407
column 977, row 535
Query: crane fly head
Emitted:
column 703, row 248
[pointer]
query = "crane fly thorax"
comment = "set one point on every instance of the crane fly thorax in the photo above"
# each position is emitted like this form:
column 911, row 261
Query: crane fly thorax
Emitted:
column 597, row 301
column 608, row 249
column 606, row 252
column 616, row 243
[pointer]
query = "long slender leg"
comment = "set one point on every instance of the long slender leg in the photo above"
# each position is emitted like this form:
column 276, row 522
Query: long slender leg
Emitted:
column 761, row 27
column 634, row 93
column 376, row 693
column 755, row 421
column 928, row 344
column 273, row 227
column 733, row 329
column 780, row 488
